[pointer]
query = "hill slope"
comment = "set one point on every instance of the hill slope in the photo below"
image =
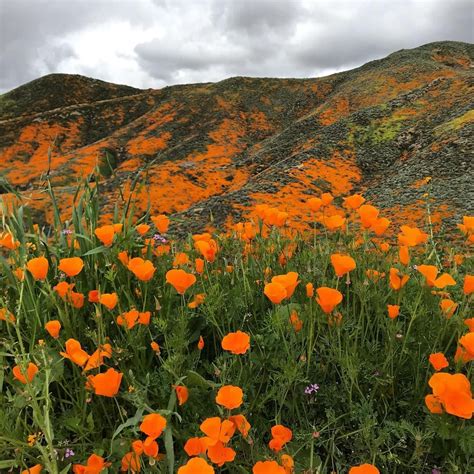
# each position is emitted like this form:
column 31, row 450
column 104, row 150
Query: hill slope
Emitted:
column 218, row 148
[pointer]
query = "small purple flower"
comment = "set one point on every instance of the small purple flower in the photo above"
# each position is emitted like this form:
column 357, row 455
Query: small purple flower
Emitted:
column 435, row 471
column 159, row 238
column 69, row 453
column 311, row 388
column 67, row 232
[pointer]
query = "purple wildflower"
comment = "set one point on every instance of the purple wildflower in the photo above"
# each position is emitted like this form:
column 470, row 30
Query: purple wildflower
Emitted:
column 311, row 388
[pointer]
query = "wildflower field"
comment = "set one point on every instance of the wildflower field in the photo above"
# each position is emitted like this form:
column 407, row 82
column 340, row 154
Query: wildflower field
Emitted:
column 347, row 348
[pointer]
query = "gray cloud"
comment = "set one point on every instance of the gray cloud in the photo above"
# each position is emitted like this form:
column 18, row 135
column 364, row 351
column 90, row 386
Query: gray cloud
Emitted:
column 151, row 43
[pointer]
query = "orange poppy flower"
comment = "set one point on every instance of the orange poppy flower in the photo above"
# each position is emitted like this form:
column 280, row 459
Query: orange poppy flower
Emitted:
column 230, row 397
column 328, row 298
column 309, row 290
column 468, row 322
column 109, row 300
column 180, row 280
column 315, row 204
column 467, row 227
column 142, row 229
column 275, row 292
column 280, row 436
column 364, row 469
column 220, row 454
column 123, row 257
column 196, row 466
column 182, row 393
column 153, row 426
column 393, row 310
column 200, row 344
column 430, row 272
column 411, row 236
column 38, row 267
column 8, row 241
column 161, row 222
column 241, row 423
column 75, row 353
column 289, row 281
column 384, row 247
column 268, row 467
column 448, row 307
column 142, row 269
column 93, row 296
column 95, row 465
column 5, row 315
column 151, row 449
column 155, row 347
column 199, row 265
column 380, row 225
column 368, row 215
column 19, row 273
column 333, row 222
column 106, row 384
column 354, row 202
column 467, row 342
column 236, row 342
column 296, row 321
column 36, row 469
column 105, row 234
column 53, row 328
column 25, row 376
column 468, row 286
column 71, row 266
column 195, row 446
column 438, row 361
column 197, row 301
column 461, row 355
column 131, row 462
column 207, row 248
column 76, row 299
column 397, row 281
column 63, row 288
column 180, row 258
column 327, row 198
column 97, row 358
column 342, row 264
column 217, row 430
column 404, row 255
column 454, row 393
column 288, row 463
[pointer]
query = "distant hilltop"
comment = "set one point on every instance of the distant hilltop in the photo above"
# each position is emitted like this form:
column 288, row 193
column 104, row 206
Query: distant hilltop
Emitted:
column 214, row 150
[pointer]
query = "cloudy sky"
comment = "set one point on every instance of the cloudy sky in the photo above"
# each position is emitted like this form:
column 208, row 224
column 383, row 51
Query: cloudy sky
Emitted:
column 152, row 43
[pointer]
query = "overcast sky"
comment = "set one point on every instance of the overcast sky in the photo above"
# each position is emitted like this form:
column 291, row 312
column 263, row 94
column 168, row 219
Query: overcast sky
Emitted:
column 152, row 43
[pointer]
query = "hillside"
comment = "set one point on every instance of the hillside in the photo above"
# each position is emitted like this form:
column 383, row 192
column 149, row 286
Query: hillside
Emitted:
column 216, row 149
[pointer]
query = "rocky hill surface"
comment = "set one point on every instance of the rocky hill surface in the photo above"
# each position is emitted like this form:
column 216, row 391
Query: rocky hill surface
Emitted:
column 213, row 150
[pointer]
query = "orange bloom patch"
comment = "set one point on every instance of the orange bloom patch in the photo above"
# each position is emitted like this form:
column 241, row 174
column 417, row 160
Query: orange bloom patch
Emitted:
column 8, row 241
column 430, row 272
column 296, row 321
column 180, row 280
column 161, row 222
column 197, row 301
column 142, row 229
column 109, row 300
column 25, row 376
column 281, row 287
column 468, row 322
column 368, row 215
column 106, row 384
column 207, row 248
column 467, row 342
column 288, row 463
column 236, row 342
column 130, row 462
column 404, row 255
column 241, row 423
column 448, row 307
column 180, row 258
column 153, row 426
column 411, row 236
column 71, row 266
column 53, row 328
column 275, row 292
column 5, row 315
column 97, row 358
column 220, row 454
column 195, row 446
column 309, row 290
column 342, row 264
column 380, row 225
column 196, row 466
column 230, row 397
column 142, row 269
column 199, row 265
column 130, row 318
column 315, row 204
column 36, row 469
column 438, row 361
column 333, row 222
column 38, row 267
column 200, row 344
column 328, row 298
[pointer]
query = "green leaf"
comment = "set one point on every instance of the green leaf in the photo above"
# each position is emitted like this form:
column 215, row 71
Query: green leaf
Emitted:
column 95, row 251
column 197, row 380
